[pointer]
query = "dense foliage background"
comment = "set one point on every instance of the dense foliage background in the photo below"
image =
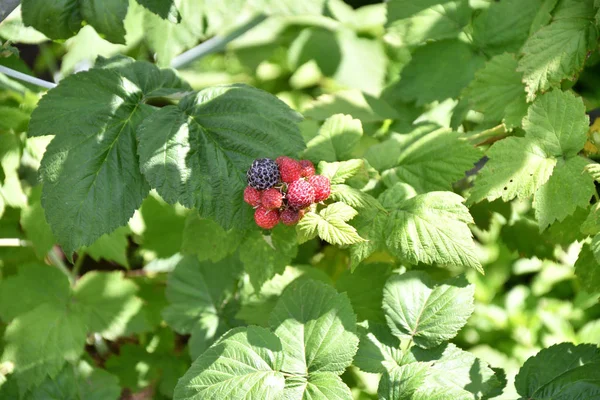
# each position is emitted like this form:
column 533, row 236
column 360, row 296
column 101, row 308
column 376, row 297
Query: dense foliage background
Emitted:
column 460, row 246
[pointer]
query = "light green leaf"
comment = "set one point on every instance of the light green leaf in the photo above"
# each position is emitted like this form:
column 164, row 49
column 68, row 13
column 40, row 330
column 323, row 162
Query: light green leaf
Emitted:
column 594, row 170
column 428, row 161
column 352, row 102
column 401, row 382
column 591, row 225
column 265, row 256
column 497, row 90
column 107, row 302
column 336, row 139
column 330, row 225
column 111, row 247
column 557, row 120
column 197, row 292
column 561, row 371
column 57, row 20
column 427, row 312
column 92, row 184
column 517, row 168
column 207, row 239
column 33, row 221
column 318, row 385
column 79, row 382
column 400, row 9
column 243, row 364
column 52, row 330
column 364, row 287
column 163, row 226
column 187, row 151
column 353, row 197
column 543, row 16
column 424, row 81
column 440, row 21
column 454, row 374
column 378, row 350
column 256, row 306
column 33, row 285
column 432, row 228
column 568, row 188
column 556, row 52
column 339, row 172
column 500, row 29
column 587, row 267
column 106, row 16
column 317, row 328
column 166, row 9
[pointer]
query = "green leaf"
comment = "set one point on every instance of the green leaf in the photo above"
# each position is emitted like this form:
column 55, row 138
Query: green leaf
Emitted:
column 318, row 385
column 339, row 172
column 453, row 374
column 517, row 168
column 187, row 151
column 57, row 20
column 330, row 225
column 427, row 312
column 500, row 29
column 107, row 17
column 497, row 90
column 111, row 247
column 243, row 364
column 353, row 197
column 317, row 328
column 52, row 330
column 378, row 350
column 401, row 382
column 207, row 239
column 166, row 9
column 352, row 102
column 336, row 139
column 163, row 226
column 33, row 285
column 364, row 287
column 591, row 225
column 556, row 52
column 424, row 81
column 257, row 306
column 92, row 184
column 79, row 382
column 428, row 161
column 561, row 371
column 264, row 256
column 400, row 9
column 107, row 302
column 440, row 21
column 197, row 292
column 587, row 267
column 567, row 189
column 33, row 221
column 432, row 228
column 557, row 120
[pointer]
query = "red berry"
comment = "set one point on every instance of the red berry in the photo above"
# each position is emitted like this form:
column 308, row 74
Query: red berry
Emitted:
column 280, row 159
column 266, row 219
column 322, row 187
column 290, row 217
column 300, row 194
column 308, row 168
column 252, row 196
column 290, row 170
column 271, row 199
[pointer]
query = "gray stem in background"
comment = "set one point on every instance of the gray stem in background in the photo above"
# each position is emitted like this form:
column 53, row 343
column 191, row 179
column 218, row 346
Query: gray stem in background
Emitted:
column 6, row 7
column 214, row 44
column 26, row 78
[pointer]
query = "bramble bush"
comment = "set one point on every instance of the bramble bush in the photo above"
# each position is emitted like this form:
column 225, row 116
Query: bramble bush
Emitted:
column 449, row 250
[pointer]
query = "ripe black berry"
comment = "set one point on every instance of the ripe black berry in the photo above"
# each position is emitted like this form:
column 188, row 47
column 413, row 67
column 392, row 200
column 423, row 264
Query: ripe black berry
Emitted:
column 263, row 174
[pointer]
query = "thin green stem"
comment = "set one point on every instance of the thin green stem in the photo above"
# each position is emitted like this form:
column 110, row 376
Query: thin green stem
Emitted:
column 58, row 263
column 489, row 135
column 214, row 44
column 78, row 264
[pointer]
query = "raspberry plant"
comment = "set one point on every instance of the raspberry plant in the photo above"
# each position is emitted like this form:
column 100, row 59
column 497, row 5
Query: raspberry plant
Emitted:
column 433, row 164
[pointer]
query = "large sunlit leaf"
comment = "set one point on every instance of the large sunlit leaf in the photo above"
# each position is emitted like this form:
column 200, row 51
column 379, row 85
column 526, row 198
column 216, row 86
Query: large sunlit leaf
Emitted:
column 429, row 313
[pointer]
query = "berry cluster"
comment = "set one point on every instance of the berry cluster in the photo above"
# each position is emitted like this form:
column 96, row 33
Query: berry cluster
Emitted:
column 281, row 190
